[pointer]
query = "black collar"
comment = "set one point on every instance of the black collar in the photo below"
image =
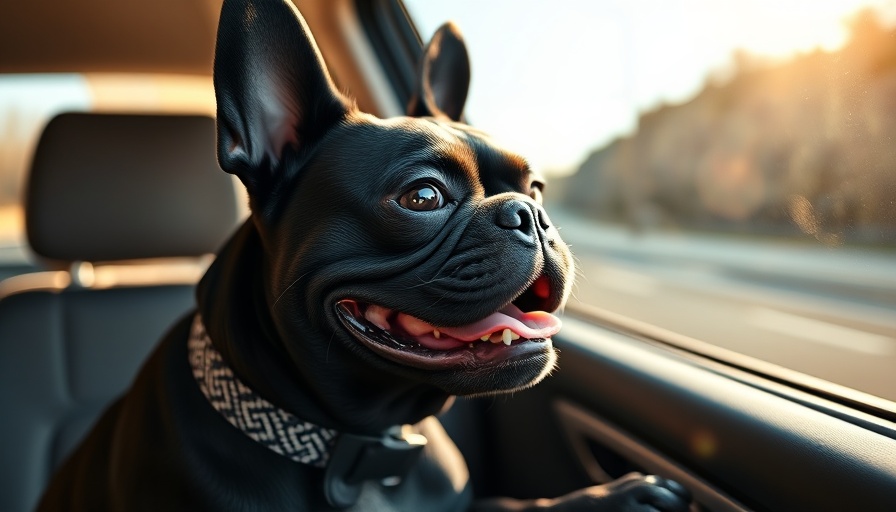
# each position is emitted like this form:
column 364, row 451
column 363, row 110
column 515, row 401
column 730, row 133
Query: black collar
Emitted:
column 259, row 419
column 350, row 459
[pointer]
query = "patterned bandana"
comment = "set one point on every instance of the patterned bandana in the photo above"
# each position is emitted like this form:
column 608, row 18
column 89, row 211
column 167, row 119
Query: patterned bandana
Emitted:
column 259, row 419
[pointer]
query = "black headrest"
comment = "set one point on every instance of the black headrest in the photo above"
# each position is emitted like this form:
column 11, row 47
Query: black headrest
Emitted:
column 106, row 187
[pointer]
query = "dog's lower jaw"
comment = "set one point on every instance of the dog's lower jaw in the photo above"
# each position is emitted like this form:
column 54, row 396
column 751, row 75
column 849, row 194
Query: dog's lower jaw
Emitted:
column 523, row 379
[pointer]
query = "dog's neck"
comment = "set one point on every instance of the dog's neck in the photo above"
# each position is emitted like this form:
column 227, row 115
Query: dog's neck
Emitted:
column 331, row 388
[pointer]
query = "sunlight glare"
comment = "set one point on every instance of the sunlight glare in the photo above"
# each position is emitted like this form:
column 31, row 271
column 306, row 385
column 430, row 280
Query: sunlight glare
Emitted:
column 780, row 29
column 588, row 69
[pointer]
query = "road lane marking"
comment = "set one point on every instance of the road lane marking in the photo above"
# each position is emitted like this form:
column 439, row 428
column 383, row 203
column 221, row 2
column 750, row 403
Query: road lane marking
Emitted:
column 822, row 332
column 625, row 281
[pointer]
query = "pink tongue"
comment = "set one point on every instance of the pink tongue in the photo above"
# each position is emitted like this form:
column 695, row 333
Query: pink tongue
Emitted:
column 534, row 324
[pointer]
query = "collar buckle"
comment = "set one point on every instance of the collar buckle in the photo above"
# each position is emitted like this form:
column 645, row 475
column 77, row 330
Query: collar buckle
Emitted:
column 356, row 459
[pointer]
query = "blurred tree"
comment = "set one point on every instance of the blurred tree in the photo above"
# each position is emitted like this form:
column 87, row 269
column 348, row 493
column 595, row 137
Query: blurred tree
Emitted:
column 821, row 127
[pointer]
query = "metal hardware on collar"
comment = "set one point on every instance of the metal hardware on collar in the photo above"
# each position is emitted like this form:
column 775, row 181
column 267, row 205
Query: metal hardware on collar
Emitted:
column 356, row 459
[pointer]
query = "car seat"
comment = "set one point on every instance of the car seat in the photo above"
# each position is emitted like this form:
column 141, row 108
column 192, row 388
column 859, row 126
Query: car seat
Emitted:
column 115, row 201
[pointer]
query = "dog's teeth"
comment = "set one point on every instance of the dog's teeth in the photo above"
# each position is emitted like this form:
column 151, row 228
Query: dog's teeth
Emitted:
column 514, row 336
column 505, row 336
column 470, row 345
column 486, row 337
column 436, row 333
column 414, row 326
column 378, row 316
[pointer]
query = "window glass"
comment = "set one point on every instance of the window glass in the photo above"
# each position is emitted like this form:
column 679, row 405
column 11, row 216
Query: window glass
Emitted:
column 725, row 170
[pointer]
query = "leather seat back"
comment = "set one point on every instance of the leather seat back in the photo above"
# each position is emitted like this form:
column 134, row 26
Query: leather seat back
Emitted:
column 103, row 188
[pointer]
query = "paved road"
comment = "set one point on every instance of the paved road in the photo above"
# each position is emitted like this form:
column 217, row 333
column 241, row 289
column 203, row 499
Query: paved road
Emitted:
column 827, row 313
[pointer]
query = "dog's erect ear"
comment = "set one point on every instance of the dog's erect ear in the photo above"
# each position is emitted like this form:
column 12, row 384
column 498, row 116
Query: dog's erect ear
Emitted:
column 443, row 77
column 273, row 90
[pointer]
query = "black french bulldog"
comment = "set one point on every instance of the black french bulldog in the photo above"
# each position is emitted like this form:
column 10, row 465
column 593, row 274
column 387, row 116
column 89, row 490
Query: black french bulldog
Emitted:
column 387, row 266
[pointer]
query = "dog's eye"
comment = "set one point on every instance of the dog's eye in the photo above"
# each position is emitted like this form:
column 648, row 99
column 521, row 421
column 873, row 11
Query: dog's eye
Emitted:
column 535, row 192
column 422, row 198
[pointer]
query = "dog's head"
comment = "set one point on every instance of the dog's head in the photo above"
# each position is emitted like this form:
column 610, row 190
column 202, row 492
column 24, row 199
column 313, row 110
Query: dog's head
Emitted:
column 416, row 245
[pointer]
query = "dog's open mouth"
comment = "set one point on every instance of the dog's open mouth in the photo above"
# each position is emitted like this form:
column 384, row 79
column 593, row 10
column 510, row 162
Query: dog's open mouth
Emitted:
column 508, row 333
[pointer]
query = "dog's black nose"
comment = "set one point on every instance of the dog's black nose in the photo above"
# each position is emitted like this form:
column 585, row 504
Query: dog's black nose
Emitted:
column 524, row 217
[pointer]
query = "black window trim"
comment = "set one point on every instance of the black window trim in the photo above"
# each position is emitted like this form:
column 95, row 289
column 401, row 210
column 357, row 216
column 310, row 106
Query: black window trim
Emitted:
column 394, row 40
column 863, row 409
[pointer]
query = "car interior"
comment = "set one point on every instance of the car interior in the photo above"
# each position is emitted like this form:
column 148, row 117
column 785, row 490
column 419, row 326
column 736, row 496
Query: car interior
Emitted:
column 74, row 338
column 124, row 205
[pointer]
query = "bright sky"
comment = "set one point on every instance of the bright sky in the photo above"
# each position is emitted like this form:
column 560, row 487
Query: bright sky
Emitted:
column 556, row 79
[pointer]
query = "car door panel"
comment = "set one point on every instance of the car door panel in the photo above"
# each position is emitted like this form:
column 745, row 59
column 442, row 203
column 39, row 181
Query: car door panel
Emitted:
column 736, row 445
column 589, row 437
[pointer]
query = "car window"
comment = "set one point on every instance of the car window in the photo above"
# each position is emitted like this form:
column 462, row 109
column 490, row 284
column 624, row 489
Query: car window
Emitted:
column 722, row 170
